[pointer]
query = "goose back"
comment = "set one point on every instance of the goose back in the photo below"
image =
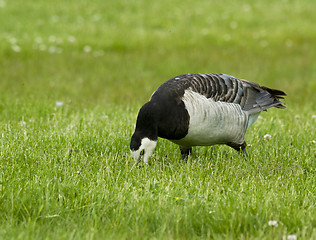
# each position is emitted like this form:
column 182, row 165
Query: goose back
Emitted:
column 224, row 88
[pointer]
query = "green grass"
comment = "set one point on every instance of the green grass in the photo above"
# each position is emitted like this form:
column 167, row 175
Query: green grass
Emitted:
column 66, row 172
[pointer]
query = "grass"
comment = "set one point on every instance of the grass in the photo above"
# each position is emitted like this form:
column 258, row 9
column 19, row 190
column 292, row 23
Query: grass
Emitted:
column 66, row 172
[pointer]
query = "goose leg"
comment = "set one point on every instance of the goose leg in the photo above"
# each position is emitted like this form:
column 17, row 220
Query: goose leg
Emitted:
column 185, row 152
column 241, row 148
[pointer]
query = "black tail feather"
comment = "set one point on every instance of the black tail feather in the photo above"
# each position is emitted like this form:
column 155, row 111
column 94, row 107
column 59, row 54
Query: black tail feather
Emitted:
column 276, row 94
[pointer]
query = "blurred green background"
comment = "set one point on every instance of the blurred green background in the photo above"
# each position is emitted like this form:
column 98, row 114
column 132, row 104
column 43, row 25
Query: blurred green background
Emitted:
column 100, row 53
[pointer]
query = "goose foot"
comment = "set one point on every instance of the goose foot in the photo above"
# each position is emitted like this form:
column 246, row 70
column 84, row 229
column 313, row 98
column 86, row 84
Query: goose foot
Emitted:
column 241, row 148
column 185, row 152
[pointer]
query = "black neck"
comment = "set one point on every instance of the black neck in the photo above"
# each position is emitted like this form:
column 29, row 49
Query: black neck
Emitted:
column 147, row 121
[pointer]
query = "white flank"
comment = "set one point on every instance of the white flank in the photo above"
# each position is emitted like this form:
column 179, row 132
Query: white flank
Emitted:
column 148, row 146
column 213, row 122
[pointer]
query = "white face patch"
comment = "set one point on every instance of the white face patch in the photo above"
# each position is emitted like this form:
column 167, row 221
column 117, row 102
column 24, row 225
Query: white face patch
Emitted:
column 148, row 146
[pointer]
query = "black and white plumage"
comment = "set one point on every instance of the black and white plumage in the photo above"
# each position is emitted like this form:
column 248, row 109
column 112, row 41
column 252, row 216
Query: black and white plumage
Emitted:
column 201, row 110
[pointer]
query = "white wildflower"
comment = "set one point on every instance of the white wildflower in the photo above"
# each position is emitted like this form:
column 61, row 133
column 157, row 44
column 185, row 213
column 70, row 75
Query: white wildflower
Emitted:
column 273, row 223
column 247, row 8
column 52, row 49
column 16, row 48
column 267, row 137
column 96, row 17
column 38, row 40
column 2, row 4
column 22, row 123
column 291, row 237
column 297, row 116
column 59, row 104
column 313, row 141
column 54, row 19
column 87, row 49
column 314, row 116
column 71, row 39
column 13, row 40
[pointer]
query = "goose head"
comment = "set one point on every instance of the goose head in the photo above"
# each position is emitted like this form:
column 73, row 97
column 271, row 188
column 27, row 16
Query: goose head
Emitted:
column 142, row 146
column 144, row 139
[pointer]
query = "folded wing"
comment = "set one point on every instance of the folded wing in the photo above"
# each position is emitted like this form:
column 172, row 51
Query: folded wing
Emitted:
column 221, row 87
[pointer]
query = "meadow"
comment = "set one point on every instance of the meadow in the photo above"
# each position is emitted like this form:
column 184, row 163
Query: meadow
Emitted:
column 73, row 75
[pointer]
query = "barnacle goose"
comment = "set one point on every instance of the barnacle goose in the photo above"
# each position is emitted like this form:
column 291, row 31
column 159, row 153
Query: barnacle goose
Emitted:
column 201, row 110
